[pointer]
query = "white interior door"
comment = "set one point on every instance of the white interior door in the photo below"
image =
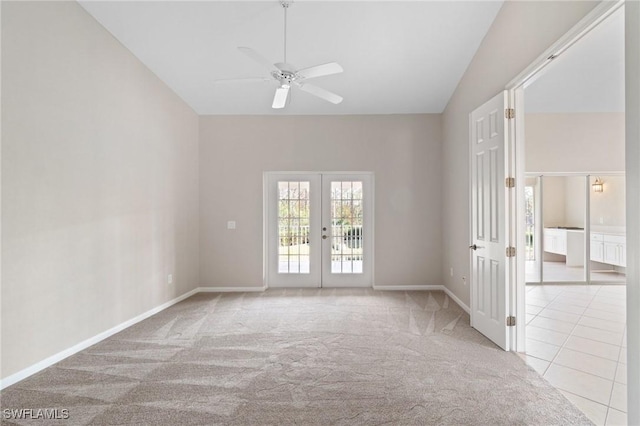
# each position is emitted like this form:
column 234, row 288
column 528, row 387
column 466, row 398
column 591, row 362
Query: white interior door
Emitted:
column 319, row 229
column 489, row 261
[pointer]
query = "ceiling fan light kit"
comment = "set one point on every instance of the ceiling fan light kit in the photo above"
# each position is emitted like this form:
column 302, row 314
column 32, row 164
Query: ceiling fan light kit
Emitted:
column 287, row 75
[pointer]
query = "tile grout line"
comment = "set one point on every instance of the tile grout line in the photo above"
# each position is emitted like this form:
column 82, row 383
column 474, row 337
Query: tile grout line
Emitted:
column 563, row 346
column 571, row 334
column 608, row 406
column 575, row 350
column 536, row 316
column 588, row 399
column 578, row 323
column 615, row 373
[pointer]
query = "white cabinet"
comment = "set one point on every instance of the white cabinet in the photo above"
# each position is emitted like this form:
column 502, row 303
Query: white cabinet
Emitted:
column 611, row 253
column 615, row 250
column 597, row 247
column 575, row 248
column 555, row 241
column 607, row 248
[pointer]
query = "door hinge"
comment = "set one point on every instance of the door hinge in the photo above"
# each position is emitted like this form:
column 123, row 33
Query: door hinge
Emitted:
column 511, row 251
column 509, row 113
column 510, row 182
column 511, row 321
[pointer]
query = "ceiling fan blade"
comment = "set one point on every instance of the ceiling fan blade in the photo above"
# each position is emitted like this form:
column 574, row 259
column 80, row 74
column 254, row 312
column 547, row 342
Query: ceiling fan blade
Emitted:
column 280, row 99
column 244, row 80
column 258, row 58
column 321, row 93
column 320, row 70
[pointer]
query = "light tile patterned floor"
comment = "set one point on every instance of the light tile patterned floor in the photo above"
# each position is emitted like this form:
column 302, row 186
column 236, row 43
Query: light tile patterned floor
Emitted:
column 576, row 338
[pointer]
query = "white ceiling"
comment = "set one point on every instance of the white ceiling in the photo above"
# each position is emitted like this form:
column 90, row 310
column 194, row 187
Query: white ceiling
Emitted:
column 398, row 57
column 587, row 77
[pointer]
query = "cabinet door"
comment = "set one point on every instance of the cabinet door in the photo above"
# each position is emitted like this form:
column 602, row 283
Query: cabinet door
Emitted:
column 562, row 244
column 596, row 251
column 611, row 253
column 555, row 242
column 622, row 251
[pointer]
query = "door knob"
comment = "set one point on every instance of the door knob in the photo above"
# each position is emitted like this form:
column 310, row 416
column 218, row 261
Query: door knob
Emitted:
column 324, row 237
column 475, row 247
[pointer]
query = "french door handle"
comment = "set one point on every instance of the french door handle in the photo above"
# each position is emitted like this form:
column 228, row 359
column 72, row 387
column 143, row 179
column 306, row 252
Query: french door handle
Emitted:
column 475, row 247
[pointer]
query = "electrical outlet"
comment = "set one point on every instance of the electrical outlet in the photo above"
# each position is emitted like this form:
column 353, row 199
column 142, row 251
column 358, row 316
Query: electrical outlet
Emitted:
column 231, row 224
column 451, row 271
column 170, row 279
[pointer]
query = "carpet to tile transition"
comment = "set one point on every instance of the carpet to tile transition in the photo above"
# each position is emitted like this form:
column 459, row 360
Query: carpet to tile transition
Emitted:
column 307, row 357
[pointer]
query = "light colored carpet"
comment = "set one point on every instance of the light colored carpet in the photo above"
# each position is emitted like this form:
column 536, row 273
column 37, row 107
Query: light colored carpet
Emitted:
column 308, row 357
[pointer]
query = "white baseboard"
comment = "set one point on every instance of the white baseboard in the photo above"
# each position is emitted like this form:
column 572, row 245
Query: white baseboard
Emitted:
column 424, row 288
column 456, row 299
column 47, row 362
column 229, row 289
column 408, row 287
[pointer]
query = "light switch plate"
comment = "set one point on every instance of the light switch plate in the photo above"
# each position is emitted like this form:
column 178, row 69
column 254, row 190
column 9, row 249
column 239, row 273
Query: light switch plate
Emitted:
column 231, row 224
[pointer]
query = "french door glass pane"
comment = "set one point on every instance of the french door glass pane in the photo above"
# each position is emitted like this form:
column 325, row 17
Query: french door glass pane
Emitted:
column 293, row 227
column 346, row 227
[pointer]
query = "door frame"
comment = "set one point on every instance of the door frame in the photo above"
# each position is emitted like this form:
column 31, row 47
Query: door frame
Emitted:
column 516, row 145
column 266, row 176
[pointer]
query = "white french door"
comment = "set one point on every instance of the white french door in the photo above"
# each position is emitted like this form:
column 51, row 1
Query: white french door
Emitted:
column 347, row 231
column 319, row 229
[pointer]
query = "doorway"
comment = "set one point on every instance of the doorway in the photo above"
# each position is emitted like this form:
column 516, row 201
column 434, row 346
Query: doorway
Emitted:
column 575, row 228
column 319, row 229
column 571, row 139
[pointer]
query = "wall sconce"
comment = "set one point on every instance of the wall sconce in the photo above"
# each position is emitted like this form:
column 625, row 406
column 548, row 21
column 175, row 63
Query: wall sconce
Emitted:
column 598, row 185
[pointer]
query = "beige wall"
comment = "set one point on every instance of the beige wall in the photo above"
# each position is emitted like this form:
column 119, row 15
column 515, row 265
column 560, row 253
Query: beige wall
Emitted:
column 592, row 143
column 575, row 201
column 564, row 201
column 608, row 208
column 99, row 172
column 583, row 142
column 403, row 151
column 519, row 34
column 553, row 201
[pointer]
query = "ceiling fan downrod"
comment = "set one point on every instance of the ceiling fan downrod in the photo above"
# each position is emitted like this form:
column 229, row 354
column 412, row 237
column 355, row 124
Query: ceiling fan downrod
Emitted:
column 285, row 5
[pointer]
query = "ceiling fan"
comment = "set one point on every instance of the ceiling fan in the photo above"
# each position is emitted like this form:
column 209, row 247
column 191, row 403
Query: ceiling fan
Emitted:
column 287, row 75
